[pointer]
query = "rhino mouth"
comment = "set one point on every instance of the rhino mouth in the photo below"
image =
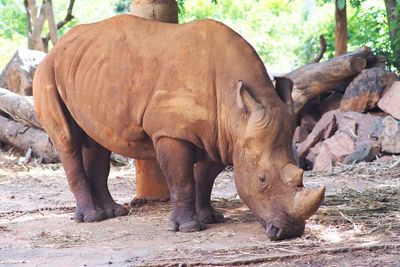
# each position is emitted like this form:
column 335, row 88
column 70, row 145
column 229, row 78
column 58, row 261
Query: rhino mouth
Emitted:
column 283, row 229
column 275, row 232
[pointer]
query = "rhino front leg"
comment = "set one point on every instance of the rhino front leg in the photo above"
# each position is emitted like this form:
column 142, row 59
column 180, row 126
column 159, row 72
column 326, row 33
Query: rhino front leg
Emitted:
column 96, row 160
column 205, row 174
column 176, row 159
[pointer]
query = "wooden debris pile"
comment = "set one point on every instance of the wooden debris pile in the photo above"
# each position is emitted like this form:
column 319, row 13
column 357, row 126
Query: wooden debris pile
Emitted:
column 19, row 127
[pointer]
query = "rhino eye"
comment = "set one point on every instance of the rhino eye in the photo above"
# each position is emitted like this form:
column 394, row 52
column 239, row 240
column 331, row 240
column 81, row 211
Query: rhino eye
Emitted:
column 262, row 179
column 263, row 183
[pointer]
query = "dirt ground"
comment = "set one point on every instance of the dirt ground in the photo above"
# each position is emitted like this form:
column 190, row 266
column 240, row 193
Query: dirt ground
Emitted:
column 358, row 224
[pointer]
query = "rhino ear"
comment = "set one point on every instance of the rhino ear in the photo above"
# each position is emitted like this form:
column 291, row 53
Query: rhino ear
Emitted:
column 244, row 99
column 284, row 88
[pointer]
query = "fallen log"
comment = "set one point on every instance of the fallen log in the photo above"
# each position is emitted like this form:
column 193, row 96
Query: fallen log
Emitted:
column 316, row 78
column 20, row 108
column 24, row 138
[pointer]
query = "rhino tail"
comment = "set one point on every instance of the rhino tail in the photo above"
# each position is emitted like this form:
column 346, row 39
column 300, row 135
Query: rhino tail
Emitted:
column 51, row 109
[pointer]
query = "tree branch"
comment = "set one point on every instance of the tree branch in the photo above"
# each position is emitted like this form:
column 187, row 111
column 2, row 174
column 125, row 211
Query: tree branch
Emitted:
column 61, row 24
column 68, row 17
column 51, row 21
column 322, row 49
column 28, row 16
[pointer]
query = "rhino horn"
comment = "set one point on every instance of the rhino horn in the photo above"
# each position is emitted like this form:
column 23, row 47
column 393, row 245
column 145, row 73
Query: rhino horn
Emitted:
column 307, row 202
column 292, row 175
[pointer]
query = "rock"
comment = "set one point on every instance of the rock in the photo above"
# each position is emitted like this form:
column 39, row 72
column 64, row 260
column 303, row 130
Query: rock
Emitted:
column 390, row 102
column 18, row 74
column 386, row 158
column 300, row 134
column 329, row 152
column 323, row 161
column 325, row 128
column 391, row 77
column 390, row 135
column 364, row 91
column 331, row 102
column 339, row 146
column 366, row 150
column 313, row 153
column 359, row 125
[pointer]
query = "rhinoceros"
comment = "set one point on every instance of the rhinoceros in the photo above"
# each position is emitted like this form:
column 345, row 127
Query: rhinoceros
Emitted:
column 196, row 97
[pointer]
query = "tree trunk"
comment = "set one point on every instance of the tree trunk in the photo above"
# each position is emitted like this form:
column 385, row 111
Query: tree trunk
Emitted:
column 36, row 18
column 340, row 30
column 150, row 183
column 161, row 10
column 393, row 17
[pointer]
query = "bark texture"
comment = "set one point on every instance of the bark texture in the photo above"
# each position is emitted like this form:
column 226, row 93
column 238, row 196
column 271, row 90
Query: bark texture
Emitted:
column 341, row 34
column 393, row 17
column 24, row 138
column 20, row 108
column 165, row 11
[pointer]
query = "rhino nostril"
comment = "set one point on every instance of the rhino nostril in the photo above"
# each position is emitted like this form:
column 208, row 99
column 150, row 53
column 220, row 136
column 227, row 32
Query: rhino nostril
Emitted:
column 273, row 232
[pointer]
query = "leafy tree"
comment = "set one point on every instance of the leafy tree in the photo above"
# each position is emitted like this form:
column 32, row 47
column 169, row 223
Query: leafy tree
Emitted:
column 369, row 25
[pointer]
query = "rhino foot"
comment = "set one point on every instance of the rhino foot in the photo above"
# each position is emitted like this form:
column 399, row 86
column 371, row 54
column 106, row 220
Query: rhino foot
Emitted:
column 186, row 227
column 82, row 215
column 210, row 215
column 115, row 210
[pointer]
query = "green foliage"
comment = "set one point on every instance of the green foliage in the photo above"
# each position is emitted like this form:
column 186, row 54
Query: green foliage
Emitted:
column 182, row 9
column 277, row 29
column 342, row 3
column 122, row 6
column 369, row 27
column 284, row 32
column 12, row 19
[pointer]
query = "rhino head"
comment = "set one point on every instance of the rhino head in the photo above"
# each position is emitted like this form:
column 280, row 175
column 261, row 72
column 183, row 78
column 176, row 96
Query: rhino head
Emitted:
column 266, row 176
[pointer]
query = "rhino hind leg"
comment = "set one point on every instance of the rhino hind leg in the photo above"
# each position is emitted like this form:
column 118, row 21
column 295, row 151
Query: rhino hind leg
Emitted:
column 205, row 174
column 96, row 161
column 86, row 208
column 176, row 160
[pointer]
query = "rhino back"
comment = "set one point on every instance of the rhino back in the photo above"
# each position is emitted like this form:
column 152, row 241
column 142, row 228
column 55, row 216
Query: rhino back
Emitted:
column 125, row 80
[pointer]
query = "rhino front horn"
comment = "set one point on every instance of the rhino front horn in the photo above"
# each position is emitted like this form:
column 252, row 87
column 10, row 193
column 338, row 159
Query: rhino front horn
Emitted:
column 307, row 202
